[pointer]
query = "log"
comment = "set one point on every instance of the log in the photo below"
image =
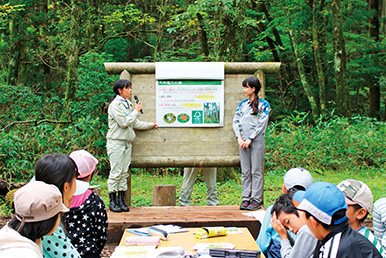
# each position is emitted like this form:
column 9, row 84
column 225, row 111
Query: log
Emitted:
column 164, row 195
column 185, row 161
column 230, row 68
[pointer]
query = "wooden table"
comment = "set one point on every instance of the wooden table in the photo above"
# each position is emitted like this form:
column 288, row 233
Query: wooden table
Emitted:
column 186, row 217
column 187, row 240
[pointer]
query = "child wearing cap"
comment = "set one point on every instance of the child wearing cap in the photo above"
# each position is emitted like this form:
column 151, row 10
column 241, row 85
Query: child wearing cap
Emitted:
column 37, row 213
column 61, row 171
column 268, row 239
column 325, row 214
column 86, row 223
column 286, row 216
column 379, row 221
column 359, row 200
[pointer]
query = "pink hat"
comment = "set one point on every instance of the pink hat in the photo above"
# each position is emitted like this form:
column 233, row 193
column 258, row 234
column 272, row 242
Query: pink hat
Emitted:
column 38, row 201
column 85, row 162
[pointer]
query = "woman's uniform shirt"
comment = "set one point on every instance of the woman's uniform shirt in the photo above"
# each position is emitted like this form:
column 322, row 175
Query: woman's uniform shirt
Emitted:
column 123, row 119
column 250, row 126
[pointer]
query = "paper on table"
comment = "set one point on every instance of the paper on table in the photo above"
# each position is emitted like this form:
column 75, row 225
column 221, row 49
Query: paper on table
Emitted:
column 132, row 251
column 170, row 229
column 259, row 215
column 234, row 230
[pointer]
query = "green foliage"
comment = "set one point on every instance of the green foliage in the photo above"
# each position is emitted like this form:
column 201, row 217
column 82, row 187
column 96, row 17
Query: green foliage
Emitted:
column 335, row 143
column 22, row 144
column 35, row 51
column 39, row 40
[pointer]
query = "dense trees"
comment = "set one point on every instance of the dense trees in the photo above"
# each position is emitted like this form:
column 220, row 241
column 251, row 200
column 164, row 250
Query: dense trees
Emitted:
column 333, row 52
column 53, row 82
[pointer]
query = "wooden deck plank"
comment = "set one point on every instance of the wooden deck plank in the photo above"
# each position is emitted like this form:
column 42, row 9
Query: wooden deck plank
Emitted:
column 191, row 216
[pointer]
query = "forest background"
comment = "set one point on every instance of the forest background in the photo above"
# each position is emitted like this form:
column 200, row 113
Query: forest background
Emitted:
column 328, row 100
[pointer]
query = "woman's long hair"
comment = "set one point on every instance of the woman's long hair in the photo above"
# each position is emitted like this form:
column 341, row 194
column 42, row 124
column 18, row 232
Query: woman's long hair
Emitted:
column 251, row 82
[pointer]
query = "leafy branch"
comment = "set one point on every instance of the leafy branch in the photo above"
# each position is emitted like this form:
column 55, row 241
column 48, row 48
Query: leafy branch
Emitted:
column 35, row 122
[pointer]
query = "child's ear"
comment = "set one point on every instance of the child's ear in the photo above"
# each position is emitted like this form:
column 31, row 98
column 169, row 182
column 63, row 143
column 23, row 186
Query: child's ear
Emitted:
column 284, row 189
column 66, row 187
column 314, row 222
column 361, row 213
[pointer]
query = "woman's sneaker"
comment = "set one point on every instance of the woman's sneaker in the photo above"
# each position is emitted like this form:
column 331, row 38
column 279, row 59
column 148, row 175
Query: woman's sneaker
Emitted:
column 244, row 205
column 254, row 206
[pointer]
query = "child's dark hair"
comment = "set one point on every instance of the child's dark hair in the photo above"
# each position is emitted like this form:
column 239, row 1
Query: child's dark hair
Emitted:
column 284, row 203
column 121, row 84
column 55, row 169
column 337, row 215
column 296, row 188
column 253, row 82
column 34, row 230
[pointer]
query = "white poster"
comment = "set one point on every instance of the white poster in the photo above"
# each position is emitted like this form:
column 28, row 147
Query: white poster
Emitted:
column 190, row 103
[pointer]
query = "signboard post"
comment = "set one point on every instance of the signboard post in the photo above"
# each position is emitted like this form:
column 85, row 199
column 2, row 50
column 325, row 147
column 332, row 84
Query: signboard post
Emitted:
column 183, row 143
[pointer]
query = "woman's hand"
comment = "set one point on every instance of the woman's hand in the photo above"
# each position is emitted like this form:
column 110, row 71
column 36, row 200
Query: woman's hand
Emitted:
column 241, row 142
column 138, row 106
column 247, row 143
column 278, row 226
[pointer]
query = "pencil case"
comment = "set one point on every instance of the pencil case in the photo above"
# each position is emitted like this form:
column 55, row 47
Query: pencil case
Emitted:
column 210, row 232
column 154, row 231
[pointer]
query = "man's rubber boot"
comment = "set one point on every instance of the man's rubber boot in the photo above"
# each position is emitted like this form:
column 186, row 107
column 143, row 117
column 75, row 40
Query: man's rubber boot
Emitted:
column 121, row 201
column 114, row 207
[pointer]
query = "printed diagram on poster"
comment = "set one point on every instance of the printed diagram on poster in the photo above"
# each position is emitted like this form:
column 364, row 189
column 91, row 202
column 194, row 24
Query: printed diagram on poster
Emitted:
column 190, row 102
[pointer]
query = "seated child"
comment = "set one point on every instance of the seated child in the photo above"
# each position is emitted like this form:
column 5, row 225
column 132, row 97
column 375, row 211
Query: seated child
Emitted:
column 286, row 216
column 379, row 221
column 268, row 239
column 59, row 170
column 86, row 223
column 38, row 207
column 325, row 214
column 359, row 201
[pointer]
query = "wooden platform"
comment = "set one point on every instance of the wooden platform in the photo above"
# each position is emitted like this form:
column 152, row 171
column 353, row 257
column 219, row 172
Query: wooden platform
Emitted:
column 192, row 216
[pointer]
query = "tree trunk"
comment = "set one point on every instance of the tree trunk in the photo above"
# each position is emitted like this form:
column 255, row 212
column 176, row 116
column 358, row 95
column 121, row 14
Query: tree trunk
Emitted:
column 72, row 56
column 93, row 31
column 302, row 73
column 303, row 78
column 203, row 36
column 318, row 60
column 342, row 93
column 16, row 42
column 375, row 93
column 382, row 16
column 263, row 8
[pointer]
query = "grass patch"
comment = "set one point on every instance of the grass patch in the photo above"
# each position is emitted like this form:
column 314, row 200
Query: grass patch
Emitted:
column 229, row 192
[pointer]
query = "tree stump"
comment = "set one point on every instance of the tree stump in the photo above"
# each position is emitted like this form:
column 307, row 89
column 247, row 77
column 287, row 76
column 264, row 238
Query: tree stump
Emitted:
column 164, row 195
